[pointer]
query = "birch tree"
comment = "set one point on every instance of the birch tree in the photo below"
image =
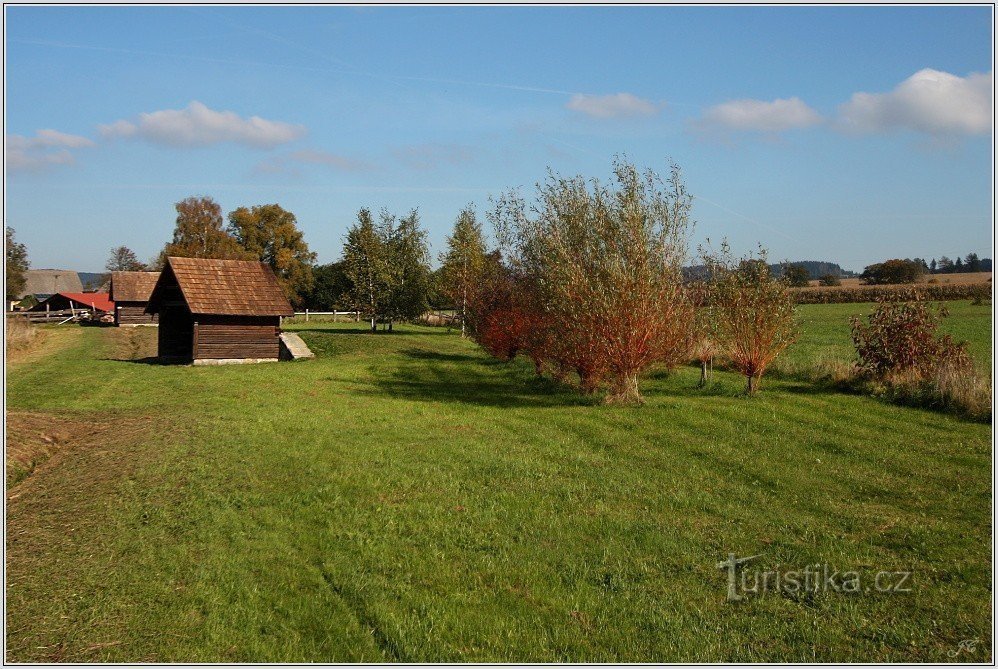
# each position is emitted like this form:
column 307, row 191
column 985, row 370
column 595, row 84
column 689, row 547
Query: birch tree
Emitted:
column 463, row 262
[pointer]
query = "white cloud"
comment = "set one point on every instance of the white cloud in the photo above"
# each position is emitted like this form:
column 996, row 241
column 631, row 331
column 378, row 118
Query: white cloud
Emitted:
column 197, row 125
column 758, row 116
column 288, row 163
column 48, row 148
column 931, row 102
column 619, row 105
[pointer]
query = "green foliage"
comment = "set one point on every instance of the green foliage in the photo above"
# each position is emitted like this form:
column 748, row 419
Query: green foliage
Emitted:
column 17, row 265
column 463, row 262
column 407, row 272
column 270, row 233
column 199, row 233
column 331, row 288
column 366, row 267
column 796, row 275
column 893, row 271
column 123, row 259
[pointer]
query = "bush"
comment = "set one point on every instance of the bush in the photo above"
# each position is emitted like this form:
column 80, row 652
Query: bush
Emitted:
column 900, row 337
column 20, row 333
column 829, row 280
column 796, row 275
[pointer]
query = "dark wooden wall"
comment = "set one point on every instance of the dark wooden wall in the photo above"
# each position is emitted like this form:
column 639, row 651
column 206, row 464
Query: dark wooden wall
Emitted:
column 219, row 337
column 132, row 313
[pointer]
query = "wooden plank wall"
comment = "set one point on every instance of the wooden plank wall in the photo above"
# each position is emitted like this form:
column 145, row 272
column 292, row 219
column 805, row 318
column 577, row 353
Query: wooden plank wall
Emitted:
column 133, row 313
column 218, row 337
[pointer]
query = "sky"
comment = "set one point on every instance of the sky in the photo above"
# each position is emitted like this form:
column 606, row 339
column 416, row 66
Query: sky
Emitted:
column 846, row 134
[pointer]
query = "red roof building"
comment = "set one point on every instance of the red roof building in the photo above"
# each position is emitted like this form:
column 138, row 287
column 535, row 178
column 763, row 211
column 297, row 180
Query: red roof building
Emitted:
column 77, row 302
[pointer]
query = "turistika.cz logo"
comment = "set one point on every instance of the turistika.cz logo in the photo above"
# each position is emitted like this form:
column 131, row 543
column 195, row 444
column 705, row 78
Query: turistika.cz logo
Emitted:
column 744, row 581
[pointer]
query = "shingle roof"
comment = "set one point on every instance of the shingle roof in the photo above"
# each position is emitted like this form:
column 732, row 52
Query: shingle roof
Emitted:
column 230, row 287
column 132, row 286
column 50, row 282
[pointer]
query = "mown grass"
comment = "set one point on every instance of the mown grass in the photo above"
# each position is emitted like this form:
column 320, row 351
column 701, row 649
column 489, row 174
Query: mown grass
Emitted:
column 403, row 497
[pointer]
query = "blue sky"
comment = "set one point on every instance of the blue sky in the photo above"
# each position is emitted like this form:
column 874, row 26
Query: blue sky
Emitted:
column 842, row 134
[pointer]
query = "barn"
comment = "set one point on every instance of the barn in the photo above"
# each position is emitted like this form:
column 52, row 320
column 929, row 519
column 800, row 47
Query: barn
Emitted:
column 214, row 311
column 130, row 293
column 96, row 304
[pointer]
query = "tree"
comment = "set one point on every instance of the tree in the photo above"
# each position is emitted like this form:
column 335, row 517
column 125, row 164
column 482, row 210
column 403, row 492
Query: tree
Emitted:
column 830, row 280
column 945, row 265
column 364, row 262
column 200, row 233
column 754, row 311
column 407, row 273
column 604, row 262
column 463, row 262
column 796, row 275
column 17, row 265
column 123, row 259
column 958, row 265
column 270, row 234
column 932, row 266
column 972, row 263
column 330, row 289
column 892, row 272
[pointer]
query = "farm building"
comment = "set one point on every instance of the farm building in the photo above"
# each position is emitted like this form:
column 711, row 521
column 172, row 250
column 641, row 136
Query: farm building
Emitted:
column 130, row 293
column 218, row 310
column 44, row 283
column 97, row 304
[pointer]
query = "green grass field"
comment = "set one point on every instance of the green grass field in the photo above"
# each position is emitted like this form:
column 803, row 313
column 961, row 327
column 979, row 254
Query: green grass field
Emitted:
column 404, row 498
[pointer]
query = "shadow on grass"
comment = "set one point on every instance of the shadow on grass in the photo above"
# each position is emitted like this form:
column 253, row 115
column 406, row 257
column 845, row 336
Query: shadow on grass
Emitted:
column 363, row 331
column 470, row 379
column 151, row 360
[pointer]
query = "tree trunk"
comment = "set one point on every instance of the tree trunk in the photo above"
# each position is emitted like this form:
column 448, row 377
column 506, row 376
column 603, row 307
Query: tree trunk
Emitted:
column 390, row 324
column 374, row 325
column 753, row 385
column 703, row 374
column 625, row 390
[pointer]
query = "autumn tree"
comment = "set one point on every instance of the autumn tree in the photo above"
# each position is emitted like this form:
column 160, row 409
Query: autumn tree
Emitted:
column 270, row 233
column 123, row 259
column 17, row 265
column 364, row 263
column 462, row 262
column 606, row 261
column 754, row 312
column 200, row 233
column 406, row 265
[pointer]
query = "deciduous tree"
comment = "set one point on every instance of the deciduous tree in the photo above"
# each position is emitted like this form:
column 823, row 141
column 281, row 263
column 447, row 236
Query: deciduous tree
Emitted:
column 754, row 311
column 123, row 259
column 407, row 272
column 606, row 261
column 364, row 262
column 270, row 233
column 463, row 262
column 200, row 233
column 17, row 265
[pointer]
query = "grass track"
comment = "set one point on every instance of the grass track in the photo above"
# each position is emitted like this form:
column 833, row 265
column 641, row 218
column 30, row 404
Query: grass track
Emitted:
column 403, row 497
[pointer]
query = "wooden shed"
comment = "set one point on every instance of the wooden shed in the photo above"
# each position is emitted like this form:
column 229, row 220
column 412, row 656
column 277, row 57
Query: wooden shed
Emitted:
column 218, row 310
column 130, row 293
